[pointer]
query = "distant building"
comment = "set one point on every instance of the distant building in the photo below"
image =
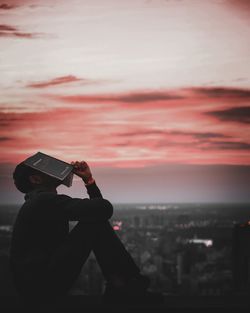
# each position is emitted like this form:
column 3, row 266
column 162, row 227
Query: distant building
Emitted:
column 241, row 257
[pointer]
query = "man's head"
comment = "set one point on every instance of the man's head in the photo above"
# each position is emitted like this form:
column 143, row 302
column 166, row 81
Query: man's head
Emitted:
column 27, row 179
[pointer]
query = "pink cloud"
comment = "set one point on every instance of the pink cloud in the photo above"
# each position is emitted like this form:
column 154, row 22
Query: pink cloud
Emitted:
column 150, row 99
column 190, row 126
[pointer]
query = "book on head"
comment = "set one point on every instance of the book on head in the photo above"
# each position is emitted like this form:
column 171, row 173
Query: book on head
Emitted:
column 51, row 166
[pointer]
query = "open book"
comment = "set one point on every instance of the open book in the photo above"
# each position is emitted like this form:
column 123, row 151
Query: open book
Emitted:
column 51, row 166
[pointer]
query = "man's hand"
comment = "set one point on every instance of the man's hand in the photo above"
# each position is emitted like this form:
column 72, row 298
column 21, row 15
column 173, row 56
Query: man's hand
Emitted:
column 82, row 170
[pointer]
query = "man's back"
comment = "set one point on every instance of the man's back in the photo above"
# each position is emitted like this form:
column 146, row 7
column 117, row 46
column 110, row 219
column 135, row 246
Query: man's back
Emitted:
column 39, row 228
column 42, row 226
column 42, row 222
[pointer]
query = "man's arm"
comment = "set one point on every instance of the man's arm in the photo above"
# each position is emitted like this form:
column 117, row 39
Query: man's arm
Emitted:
column 93, row 190
column 76, row 209
column 82, row 170
column 94, row 208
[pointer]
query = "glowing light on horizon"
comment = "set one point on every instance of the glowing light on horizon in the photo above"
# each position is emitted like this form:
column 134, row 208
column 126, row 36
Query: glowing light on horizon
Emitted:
column 206, row 242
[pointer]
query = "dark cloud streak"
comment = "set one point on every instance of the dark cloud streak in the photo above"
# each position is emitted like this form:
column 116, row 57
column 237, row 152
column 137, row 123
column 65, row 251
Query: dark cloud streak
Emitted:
column 198, row 135
column 14, row 32
column 5, row 6
column 7, row 28
column 229, row 145
column 206, row 135
column 223, row 92
column 204, row 141
column 149, row 96
column 138, row 97
column 240, row 114
column 57, row 81
column 3, row 138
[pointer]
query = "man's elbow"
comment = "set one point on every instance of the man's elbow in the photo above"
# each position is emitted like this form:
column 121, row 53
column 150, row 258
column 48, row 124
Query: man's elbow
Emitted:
column 107, row 209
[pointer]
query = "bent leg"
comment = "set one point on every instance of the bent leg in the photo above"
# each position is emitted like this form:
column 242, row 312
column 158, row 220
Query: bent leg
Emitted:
column 45, row 281
column 111, row 254
column 66, row 262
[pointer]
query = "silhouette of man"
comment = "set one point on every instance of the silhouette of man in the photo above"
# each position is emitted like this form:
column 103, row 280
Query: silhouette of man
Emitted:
column 46, row 259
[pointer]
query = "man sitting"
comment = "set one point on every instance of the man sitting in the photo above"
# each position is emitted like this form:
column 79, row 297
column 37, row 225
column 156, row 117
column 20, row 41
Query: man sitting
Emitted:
column 46, row 259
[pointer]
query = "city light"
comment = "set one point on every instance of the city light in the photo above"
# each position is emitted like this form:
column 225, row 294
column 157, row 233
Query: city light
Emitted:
column 206, row 242
column 117, row 225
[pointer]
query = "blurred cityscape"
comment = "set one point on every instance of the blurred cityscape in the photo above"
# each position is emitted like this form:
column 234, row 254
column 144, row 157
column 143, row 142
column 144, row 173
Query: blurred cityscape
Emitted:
column 185, row 249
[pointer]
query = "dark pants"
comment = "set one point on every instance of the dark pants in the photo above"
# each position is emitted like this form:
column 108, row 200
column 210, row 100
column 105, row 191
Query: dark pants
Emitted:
column 64, row 266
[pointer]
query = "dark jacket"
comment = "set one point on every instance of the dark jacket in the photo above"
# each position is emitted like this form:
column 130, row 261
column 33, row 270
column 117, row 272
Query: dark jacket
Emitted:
column 42, row 224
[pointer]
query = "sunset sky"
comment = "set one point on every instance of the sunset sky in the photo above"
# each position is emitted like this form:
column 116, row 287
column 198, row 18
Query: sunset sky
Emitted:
column 154, row 95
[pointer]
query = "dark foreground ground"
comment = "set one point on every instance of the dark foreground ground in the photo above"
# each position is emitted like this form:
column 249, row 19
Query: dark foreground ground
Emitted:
column 145, row 221
column 87, row 304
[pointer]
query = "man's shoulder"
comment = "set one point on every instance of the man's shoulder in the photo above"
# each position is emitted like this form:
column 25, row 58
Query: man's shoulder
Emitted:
column 42, row 199
column 39, row 197
column 44, row 204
